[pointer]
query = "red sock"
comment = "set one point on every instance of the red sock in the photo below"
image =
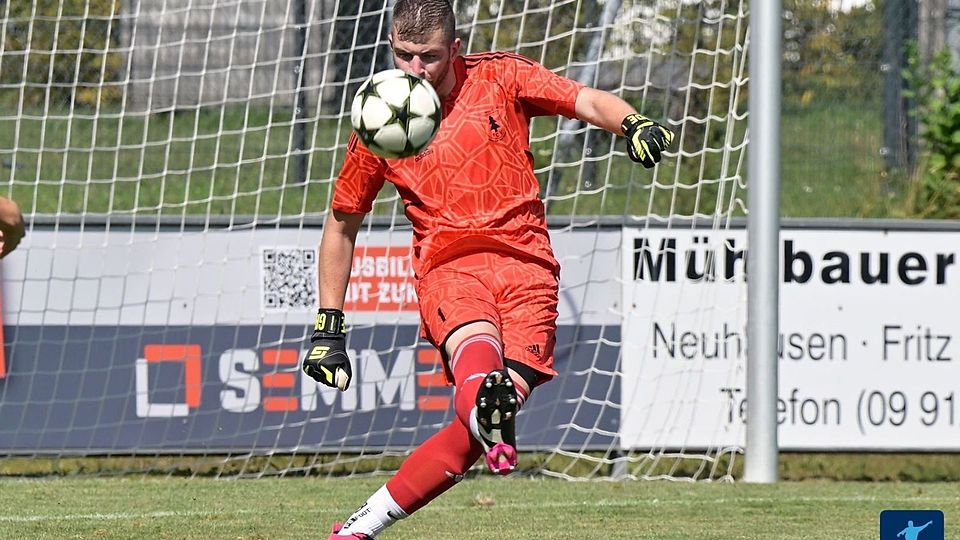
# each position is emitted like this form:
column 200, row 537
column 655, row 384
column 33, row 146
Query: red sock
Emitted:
column 439, row 463
column 436, row 466
column 476, row 356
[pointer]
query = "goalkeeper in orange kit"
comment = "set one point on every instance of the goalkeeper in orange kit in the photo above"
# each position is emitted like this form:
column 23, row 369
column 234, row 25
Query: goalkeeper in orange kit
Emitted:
column 486, row 277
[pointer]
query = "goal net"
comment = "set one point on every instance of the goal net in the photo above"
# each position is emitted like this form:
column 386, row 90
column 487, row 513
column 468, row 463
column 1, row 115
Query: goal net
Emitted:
column 175, row 161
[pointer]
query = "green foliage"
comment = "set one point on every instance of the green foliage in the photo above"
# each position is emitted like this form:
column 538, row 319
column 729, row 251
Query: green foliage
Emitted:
column 829, row 51
column 64, row 48
column 832, row 123
column 674, row 61
column 706, row 43
column 839, row 172
column 549, row 32
column 935, row 89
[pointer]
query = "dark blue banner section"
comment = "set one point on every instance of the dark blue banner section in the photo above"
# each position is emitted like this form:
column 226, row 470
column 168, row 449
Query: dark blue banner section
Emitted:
column 203, row 388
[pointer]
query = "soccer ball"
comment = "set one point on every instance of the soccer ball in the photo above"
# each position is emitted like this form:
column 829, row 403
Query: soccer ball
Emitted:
column 395, row 114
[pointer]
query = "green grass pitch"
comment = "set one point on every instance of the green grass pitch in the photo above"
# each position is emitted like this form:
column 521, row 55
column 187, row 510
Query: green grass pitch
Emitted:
column 479, row 508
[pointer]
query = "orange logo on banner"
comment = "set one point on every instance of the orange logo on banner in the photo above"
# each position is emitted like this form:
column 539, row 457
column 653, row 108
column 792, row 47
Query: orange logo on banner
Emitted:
column 432, row 379
column 279, row 359
column 190, row 356
column 381, row 279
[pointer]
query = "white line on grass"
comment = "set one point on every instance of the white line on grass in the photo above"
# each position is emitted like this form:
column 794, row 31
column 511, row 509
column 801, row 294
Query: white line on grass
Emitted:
column 722, row 500
column 518, row 506
column 118, row 516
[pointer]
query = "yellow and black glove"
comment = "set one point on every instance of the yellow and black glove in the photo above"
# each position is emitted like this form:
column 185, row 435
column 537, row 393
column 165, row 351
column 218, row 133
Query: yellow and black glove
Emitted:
column 327, row 361
column 646, row 139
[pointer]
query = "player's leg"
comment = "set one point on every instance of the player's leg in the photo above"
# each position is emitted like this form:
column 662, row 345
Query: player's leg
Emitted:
column 440, row 462
column 433, row 468
column 486, row 397
column 472, row 351
column 527, row 296
column 436, row 466
column 523, row 300
column 461, row 316
column 449, row 300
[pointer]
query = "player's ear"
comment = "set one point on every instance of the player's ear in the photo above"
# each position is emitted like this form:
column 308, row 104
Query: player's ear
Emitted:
column 455, row 48
column 393, row 52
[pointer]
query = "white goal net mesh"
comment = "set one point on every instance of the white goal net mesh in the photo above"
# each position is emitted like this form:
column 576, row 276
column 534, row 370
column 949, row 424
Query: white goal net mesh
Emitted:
column 175, row 159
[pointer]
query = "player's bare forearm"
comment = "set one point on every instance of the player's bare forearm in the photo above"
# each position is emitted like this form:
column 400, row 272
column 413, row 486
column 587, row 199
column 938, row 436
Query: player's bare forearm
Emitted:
column 602, row 109
column 336, row 257
column 11, row 226
column 647, row 140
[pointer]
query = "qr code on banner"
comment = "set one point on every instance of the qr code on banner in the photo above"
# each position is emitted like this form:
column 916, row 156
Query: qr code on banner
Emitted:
column 289, row 278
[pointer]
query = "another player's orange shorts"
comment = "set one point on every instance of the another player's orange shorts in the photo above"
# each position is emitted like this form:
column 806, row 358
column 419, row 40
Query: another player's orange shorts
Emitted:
column 519, row 297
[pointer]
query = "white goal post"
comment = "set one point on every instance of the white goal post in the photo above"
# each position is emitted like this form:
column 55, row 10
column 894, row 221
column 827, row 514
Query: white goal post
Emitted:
column 175, row 161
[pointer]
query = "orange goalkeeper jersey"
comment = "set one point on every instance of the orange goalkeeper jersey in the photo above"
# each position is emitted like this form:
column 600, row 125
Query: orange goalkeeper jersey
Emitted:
column 473, row 187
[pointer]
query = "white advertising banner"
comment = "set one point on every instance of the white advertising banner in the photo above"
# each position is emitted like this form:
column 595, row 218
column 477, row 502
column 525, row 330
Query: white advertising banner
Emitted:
column 252, row 277
column 869, row 340
column 147, row 339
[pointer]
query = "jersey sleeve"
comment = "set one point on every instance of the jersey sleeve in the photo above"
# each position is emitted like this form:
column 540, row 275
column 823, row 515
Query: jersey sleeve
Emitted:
column 360, row 179
column 543, row 92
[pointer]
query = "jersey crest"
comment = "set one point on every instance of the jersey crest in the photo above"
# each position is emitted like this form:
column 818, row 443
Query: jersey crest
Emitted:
column 497, row 131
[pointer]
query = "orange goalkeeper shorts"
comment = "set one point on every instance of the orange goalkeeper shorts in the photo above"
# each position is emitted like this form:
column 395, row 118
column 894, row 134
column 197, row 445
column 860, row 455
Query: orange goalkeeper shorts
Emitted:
column 518, row 297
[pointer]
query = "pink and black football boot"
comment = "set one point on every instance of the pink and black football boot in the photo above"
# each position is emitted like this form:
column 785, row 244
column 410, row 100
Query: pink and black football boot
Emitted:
column 496, row 420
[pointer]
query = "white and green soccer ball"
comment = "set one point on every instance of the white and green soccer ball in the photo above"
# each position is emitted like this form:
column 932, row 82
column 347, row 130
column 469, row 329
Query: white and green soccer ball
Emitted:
column 395, row 114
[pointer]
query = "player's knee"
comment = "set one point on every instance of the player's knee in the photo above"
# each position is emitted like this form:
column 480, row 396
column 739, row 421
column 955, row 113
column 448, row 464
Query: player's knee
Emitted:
column 457, row 475
column 456, row 467
column 524, row 376
column 468, row 330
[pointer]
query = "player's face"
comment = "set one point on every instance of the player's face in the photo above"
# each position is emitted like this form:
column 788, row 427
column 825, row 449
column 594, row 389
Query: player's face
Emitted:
column 431, row 60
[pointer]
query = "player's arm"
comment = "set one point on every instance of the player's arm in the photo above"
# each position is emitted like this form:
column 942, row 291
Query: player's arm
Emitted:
column 359, row 181
column 336, row 256
column 646, row 139
column 327, row 360
column 11, row 226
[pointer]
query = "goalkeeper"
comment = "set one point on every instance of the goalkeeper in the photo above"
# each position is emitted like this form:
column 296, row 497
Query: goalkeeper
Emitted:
column 486, row 277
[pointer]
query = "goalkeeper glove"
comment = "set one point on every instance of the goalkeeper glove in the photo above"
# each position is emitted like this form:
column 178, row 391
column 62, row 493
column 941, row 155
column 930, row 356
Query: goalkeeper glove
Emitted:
column 327, row 361
column 646, row 139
